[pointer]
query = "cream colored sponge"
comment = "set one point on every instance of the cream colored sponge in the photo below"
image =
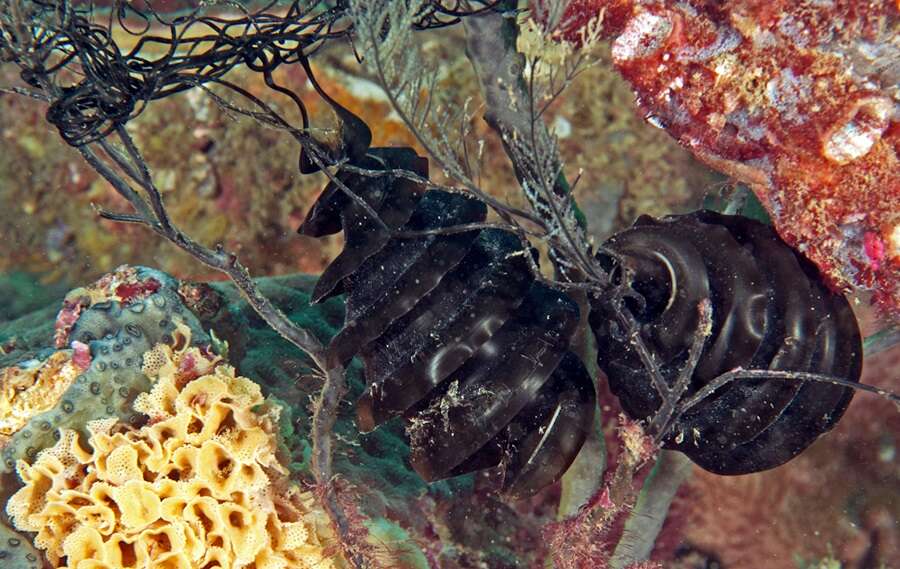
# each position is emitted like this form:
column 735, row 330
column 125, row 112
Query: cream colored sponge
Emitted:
column 198, row 486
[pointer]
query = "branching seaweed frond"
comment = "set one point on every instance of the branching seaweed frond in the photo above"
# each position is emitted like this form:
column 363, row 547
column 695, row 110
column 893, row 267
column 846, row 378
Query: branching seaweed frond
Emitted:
column 385, row 39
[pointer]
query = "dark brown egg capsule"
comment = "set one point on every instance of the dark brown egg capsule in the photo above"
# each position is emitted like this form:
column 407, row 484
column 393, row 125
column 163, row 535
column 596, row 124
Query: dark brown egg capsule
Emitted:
column 454, row 333
column 770, row 311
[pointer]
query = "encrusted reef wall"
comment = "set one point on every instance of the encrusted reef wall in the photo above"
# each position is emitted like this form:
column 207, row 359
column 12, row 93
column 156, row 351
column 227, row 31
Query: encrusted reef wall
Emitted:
column 800, row 99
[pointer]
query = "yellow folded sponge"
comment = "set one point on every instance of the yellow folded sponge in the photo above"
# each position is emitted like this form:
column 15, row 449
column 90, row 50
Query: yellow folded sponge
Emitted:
column 198, row 486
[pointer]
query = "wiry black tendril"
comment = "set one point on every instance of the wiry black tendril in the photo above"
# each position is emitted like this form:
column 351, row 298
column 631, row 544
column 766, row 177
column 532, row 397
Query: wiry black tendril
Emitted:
column 448, row 13
column 104, row 85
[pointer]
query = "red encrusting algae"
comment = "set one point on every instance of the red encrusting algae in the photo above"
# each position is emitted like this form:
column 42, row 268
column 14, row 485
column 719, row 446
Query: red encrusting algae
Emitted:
column 131, row 291
column 797, row 99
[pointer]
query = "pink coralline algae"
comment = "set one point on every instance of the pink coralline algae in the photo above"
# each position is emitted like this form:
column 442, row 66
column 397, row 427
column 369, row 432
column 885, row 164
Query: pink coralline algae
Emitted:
column 81, row 355
column 122, row 285
column 799, row 99
column 67, row 318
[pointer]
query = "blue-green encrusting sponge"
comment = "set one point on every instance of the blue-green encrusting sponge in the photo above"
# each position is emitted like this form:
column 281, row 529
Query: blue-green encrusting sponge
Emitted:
column 118, row 318
column 17, row 552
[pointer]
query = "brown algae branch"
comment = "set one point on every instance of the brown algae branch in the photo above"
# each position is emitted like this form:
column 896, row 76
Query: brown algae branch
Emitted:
column 334, row 384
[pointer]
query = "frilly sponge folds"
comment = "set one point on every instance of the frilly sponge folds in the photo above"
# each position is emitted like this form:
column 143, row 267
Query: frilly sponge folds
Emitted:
column 198, row 486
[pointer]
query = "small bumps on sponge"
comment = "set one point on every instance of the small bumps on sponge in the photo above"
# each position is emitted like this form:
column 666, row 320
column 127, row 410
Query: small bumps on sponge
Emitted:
column 16, row 552
column 199, row 485
column 118, row 332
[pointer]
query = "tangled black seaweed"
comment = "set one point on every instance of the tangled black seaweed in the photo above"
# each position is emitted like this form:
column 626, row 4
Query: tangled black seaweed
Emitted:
column 101, row 86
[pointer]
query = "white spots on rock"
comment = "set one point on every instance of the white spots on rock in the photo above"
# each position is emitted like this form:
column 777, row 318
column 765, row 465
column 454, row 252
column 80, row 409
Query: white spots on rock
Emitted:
column 794, row 29
column 643, row 35
column 862, row 126
column 764, row 38
column 724, row 66
column 849, row 142
column 747, row 128
column 878, row 61
column 727, row 39
column 894, row 242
